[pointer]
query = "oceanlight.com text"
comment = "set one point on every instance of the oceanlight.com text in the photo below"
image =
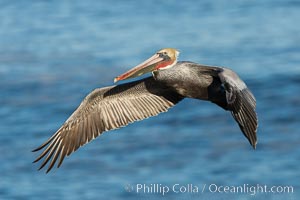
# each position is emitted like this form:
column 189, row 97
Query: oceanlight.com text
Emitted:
column 250, row 189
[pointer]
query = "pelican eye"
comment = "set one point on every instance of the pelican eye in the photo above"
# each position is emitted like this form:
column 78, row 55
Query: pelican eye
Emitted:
column 163, row 54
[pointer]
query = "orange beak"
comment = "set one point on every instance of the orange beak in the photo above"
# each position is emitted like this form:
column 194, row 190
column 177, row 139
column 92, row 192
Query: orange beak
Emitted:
column 143, row 68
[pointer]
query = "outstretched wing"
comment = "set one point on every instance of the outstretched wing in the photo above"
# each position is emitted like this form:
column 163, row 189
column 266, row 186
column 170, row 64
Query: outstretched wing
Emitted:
column 106, row 109
column 241, row 103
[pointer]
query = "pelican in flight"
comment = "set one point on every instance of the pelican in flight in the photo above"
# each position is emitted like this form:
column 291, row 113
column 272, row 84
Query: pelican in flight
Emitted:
column 116, row 106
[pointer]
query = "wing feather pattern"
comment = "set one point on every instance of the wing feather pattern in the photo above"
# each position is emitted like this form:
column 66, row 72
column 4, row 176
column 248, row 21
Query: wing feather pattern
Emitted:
column 106, row 109
column 241, row 103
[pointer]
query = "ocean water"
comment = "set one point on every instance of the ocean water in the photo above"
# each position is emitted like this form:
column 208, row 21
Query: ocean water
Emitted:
column 53, row 53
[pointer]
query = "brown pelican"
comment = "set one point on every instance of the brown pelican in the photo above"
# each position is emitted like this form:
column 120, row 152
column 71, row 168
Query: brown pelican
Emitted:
column 171, row 81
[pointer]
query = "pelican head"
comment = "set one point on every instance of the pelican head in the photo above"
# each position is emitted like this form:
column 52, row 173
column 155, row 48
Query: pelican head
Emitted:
column 163, row 59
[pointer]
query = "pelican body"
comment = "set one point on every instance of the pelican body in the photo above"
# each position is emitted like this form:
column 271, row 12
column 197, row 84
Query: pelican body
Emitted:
column 171, row 81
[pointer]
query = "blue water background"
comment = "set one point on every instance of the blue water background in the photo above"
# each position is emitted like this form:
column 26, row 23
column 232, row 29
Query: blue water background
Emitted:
column 53, row 53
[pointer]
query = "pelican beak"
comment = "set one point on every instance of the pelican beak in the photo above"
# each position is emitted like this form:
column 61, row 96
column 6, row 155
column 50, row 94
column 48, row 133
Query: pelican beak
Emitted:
column 143, row 68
